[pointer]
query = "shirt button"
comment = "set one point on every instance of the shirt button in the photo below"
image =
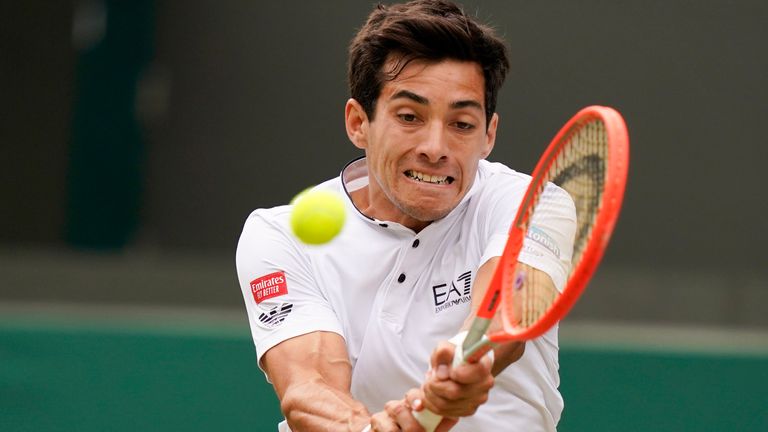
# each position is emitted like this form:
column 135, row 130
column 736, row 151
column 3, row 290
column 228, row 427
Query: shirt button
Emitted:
column 401, row 278
column 415, row 243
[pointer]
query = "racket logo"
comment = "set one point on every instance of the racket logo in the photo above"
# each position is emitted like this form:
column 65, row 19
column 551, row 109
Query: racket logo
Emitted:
column 459, row 292
column 519, row 279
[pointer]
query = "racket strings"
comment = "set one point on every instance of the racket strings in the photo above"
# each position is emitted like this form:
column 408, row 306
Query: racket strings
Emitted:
column 533, row 295
column 535, row 298
column 579, row 169
column 581, row 173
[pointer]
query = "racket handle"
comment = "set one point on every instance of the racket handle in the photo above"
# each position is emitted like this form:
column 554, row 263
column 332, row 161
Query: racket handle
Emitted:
column 427, row 419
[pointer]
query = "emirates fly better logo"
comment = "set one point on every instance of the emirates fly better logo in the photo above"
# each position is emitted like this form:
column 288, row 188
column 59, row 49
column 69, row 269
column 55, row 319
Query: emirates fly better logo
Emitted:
column 267, row 287
column 271, row 285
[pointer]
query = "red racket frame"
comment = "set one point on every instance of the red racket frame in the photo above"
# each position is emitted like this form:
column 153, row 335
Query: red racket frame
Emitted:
column 613, row 195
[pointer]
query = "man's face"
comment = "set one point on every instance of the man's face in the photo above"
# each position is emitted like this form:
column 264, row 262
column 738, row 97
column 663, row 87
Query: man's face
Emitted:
column 425, row 141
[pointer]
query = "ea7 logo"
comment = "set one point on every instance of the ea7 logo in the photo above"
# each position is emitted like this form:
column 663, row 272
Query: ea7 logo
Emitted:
column 460, row 291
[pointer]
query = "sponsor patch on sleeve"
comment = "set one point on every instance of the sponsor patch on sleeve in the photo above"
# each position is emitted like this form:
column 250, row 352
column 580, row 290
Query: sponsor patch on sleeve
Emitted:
column 539, row 236
column 269, row 286
column 273, row 317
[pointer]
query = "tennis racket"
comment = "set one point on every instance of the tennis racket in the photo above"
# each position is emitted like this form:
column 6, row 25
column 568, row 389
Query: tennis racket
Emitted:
column 588, row 159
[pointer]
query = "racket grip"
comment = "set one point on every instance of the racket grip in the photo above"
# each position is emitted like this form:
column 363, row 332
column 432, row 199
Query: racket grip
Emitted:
column 427, row 419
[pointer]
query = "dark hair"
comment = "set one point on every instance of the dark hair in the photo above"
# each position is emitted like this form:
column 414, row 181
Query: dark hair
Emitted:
column 431, row 30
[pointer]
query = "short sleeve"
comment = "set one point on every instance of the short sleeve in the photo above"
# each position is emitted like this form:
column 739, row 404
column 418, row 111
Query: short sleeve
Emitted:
column 499, row 206
column 280, row 291
column 549, row 243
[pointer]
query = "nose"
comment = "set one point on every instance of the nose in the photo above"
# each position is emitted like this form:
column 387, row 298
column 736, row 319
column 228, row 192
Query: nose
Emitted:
column 433, row 146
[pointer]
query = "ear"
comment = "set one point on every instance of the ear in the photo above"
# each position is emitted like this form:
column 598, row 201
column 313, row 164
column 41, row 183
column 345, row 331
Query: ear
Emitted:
column 490, row 135
column 356, row 122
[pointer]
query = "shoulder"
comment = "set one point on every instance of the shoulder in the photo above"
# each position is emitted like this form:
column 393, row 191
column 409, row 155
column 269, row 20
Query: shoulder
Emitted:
column 491, row 175
column 273, row 217
column 495, row 178
column 276, row 219
column 496, row 181
column 266, row 240
column 266, row 226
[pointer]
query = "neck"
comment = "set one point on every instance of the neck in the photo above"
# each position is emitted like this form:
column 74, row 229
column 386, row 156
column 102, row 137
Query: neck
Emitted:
column 384, row 209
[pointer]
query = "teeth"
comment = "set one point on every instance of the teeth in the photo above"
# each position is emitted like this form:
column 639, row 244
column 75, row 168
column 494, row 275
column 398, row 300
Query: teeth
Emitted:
column 427, row 178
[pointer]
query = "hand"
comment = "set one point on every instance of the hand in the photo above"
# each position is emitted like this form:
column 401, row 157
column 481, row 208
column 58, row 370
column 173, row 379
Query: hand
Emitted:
column 459, row 391
column 397, row 416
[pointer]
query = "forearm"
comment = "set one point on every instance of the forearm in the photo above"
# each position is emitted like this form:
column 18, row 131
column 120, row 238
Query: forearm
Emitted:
column 506, row 354
column 510, row 352
column 312, row 375
column 317, row 406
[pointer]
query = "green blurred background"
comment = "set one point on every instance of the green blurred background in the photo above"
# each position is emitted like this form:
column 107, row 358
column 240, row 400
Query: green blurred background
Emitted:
column 137, row 136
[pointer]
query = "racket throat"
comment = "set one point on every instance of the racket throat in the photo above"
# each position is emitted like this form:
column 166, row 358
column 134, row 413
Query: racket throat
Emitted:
column 476, row 343
column 474, row 353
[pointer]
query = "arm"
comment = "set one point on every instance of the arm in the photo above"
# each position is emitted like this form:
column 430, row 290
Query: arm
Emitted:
column 504, row 354
column 460, row 391
column 508, row 353
column 442, row 389
column 311, row 374
column 451, row 392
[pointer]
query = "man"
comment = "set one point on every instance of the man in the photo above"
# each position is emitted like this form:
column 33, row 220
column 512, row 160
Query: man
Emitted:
column 349, row 328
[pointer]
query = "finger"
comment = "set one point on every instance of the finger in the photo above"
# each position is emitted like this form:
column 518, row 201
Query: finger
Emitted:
column 477, row 380
column 436, row 402
column 441, row 359
column 453, row 391
column 400, row 413
column 381, row 422
column 449, row 398
column 467, row 373
column 456, row 410
column 414, row 398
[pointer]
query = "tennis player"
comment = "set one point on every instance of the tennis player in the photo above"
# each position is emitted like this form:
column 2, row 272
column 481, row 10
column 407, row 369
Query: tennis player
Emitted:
column 354, row 335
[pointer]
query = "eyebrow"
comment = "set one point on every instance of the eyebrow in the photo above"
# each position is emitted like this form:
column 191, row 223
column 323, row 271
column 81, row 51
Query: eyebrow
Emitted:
column 405, row 94
column 467, row 104
column 421, row 100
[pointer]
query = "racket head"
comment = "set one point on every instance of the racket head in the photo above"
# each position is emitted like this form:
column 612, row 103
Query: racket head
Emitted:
column 589, row 157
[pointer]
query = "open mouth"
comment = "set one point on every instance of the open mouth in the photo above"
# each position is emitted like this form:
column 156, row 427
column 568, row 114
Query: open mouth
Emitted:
column 426, row 178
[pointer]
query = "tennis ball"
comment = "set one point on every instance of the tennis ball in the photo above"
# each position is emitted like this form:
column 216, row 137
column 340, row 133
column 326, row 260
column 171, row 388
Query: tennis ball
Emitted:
column 317, row 216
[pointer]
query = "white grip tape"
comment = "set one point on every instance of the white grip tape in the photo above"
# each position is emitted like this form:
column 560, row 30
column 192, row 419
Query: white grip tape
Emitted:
column 426, row 418
column 458, row 354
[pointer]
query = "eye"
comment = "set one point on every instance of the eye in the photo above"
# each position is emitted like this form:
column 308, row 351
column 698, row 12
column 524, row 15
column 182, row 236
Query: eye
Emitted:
column 407, row 117
column 464, row 126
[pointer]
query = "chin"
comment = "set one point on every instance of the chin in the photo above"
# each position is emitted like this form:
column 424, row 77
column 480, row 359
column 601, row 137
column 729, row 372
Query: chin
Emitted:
column 423, row 214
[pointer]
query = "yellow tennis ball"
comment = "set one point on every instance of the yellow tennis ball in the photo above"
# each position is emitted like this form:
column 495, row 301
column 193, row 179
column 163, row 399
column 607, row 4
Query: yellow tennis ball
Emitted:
column 317, row 216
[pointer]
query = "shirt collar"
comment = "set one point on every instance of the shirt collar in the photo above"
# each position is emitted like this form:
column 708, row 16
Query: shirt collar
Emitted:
column 354, row 176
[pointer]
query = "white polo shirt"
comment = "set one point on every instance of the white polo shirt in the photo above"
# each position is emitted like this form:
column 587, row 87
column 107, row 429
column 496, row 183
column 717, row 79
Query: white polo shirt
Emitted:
column 393, row 294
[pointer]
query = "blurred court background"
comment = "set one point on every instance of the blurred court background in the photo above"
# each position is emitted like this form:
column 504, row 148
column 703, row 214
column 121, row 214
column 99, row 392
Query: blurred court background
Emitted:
column 137, row 136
